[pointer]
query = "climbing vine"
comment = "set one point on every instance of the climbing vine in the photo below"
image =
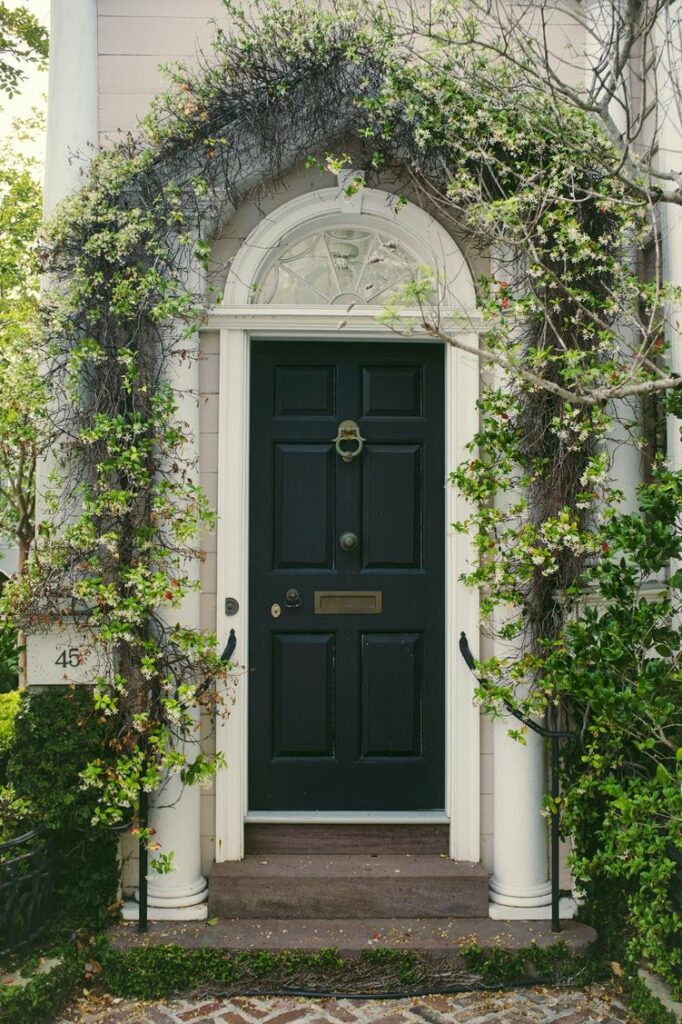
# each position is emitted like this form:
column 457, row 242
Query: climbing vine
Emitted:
column 574, row 337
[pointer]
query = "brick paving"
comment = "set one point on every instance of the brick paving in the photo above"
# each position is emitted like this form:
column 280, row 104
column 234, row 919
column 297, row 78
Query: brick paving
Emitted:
column 597, row 1004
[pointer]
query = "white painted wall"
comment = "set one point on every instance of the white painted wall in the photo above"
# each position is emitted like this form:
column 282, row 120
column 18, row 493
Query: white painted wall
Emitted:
column 135, row 38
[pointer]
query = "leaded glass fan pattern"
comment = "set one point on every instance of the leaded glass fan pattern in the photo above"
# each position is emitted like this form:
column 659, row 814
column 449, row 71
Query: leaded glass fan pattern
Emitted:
column 337, row 267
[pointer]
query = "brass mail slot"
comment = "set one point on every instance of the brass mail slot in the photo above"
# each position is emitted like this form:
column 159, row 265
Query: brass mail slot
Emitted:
column 348, row 602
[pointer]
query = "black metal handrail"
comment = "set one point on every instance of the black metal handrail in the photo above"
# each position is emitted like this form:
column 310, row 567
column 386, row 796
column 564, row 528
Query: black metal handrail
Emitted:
column 554, row 736
column 676, row 887
column 25, row 889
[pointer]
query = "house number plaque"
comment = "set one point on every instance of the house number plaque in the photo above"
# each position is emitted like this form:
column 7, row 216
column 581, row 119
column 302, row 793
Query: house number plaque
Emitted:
column 63, row 657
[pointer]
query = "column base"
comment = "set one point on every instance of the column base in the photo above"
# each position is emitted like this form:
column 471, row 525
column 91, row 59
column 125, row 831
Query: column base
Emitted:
column 179, row 896
column 498, row 912
column 523, row 896
column 131, row 912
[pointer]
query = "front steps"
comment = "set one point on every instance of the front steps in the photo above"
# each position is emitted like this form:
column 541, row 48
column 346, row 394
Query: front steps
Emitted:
column 365, row 890
column 347, row 886
column 324, row 872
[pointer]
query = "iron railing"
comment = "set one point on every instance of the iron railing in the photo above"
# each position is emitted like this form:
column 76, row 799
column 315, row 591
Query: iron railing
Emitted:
column 554, row 736
column 25, row 889
column 676, row 888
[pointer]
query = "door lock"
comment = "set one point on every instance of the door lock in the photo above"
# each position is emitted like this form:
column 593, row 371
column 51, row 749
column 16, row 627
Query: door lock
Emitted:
column 348, row 541
column 292, row 599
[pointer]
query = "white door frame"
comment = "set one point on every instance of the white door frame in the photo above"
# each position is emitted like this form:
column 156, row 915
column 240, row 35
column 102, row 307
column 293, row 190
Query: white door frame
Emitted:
column 238, row 323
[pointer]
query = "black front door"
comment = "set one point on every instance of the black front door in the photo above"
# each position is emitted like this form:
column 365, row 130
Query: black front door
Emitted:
column 346, row 646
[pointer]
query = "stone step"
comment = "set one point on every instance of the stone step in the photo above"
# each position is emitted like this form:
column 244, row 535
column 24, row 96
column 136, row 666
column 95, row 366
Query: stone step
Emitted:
column 443, row 935
column 347, row 886
column 363, row 839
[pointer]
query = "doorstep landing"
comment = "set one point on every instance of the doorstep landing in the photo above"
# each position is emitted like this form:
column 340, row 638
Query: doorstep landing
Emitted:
column 350, row 936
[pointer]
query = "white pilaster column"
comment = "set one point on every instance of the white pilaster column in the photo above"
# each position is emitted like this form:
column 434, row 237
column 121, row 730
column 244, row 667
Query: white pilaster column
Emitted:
column 519, row 886
column 181, row 895
column 72, row 124
column 669, row 119
column 72, row 97
column 175, row 810
column 602, row 21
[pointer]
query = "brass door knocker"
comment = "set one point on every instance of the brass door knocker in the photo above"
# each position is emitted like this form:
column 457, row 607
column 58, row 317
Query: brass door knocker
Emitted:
column 349, row 431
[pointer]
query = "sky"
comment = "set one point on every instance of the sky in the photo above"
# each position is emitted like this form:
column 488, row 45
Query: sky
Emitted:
column 33, row 90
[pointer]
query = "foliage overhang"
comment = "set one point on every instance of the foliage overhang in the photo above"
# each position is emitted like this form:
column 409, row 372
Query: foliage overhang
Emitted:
column 523, row 173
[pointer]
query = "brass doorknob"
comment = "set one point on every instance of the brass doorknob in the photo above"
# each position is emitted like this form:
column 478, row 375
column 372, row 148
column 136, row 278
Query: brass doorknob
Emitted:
column 348, row 541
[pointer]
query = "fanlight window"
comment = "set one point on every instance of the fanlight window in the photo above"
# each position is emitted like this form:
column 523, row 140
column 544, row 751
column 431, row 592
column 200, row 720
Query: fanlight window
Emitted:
column 337, row 267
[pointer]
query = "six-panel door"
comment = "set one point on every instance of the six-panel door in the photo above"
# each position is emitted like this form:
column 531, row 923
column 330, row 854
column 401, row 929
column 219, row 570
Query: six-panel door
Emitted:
column 346, row 647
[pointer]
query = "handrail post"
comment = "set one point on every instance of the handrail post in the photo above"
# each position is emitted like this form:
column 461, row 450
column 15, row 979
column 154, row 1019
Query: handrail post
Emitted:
column 554, row 874
column 143, row 866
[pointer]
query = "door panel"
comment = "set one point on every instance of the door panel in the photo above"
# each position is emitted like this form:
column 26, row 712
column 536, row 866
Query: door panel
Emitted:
column 391, row 506
column 303, row 506
column 392, row 390
column 305, row 390
column 346, row 707
column 392, row 694
column 303, row 694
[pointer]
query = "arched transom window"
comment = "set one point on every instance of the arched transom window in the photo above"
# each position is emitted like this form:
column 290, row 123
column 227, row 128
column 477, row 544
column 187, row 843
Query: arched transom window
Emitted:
column 337, row 266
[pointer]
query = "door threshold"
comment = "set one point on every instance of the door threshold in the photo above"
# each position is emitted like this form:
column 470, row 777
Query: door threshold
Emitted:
column 347, row 818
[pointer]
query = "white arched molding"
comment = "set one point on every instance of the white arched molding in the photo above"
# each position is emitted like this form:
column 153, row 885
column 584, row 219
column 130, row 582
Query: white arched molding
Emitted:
column 369, row 209
column 240, row 319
